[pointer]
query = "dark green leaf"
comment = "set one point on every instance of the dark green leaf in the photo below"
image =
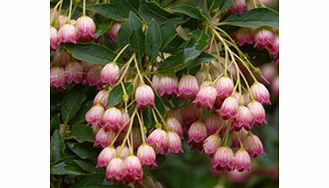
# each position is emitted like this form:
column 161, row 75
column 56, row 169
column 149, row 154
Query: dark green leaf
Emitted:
column 137, row 37
column 222, row 5
column 102, row 27
column 115, row 96
column 153, row 40
column 148, row 118
column 160, row 106
column 95, row 181
column 188, row 10
column 124, row 35
column 84, row 150
column 72, row 102
column 254, row 18
column 80, row 115
column 165, row 3
column 168, row 30
column 150, row 10
column 57, row 147
column 199, row 60
column 66, row 167
column 88, row 166
column 91, row 53
column 82, row 133
column 172, row 64
column 55, row 122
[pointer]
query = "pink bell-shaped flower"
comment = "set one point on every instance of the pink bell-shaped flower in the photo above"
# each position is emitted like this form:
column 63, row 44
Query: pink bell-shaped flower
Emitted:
column 146, row 155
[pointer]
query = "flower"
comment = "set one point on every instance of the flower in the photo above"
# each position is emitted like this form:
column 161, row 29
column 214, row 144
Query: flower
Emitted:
column 144, row 96
column 74, row 73
column 274, row 47
column 223, row 159
column 197, row 134
column 93, row 76
column 269, row 71
column 94, row 115
column 242, row 160
column 253, row 145
column 158, row 140
column 258, row 112
column 146, row 155
column 213, row 123
column 188, row 87
column 236, row 135
column 244, row 36
column 275, row 86
column 244, row 119
column 238, row 7
column 190, row 114
column 53, row 38
column 260, row 93
column 125, row 120
column 103, row 138
column 86, row 28
column 168, row 86
column 68, row 34
column 106, row 155
column 110, row 74
column 224, row 86
column 174, row 125
column 101, row 98
column 263, row 38
column 113, row 31
column 229, row 108
column 174, row 142
column 122, row 151
column 112, row 118
column 115, row 170
column 156, row 82
column 132, row 170
column 57, row 77
column 211, row 144
column 206, row 96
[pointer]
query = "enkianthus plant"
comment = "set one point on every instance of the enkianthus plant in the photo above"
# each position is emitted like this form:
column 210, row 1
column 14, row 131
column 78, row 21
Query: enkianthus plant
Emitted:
column 163, row 81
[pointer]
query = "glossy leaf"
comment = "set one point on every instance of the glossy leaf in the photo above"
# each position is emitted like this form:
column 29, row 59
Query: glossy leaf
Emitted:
column 88, row 166
column 188, row 10
column 222, row 5
column 79, row 118
column 102, row 27
column 168, row 30
column 57, row 147
column 55, row 122
column 72, row 102
column 137, row 37
column 66, row 167
column 115, row 96
column 153, row 40
column 204, row 57
column 84, row 150
column 82, row 133
column 95, row 181
column 150, row 10
column 254, row 18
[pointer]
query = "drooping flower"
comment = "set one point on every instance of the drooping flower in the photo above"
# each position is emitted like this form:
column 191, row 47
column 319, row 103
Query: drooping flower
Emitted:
column 206, row 96
column 113, row 31
column 213, row 123
column 112, row 118
column 144, row 96
column 274, row 47
column 190, row 114
column 93, row 76
column 258, row 112
column 158, row 140
column 197, row 134
column 156, row 82
column 254, row 146
column 132, row 170
column 236, row 135
column 260, row 93
column 211, row 144
column 263, row 38
column 86, row 28
column 101, row 98
column 223, row 159
column 244, row 36
column 243, row 119
column 53, row 38
column 168, row 86
column 57, row 77
column 188, row 87
column 115, row 170
column 68, row 34
column 105, row 156
column 103, row 138
column 74, row 73
column 242, row 160
column 110, row 74
column 229, row 108
column 174, row 125
column 238, row 7
column 224, row 86
column 174, row 142
column 122, row 151
column 146, row 155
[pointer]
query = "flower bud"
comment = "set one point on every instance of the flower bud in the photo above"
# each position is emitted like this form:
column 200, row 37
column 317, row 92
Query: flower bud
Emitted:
column 115, row 170
column 112, row 118
column 223, row 159
column 213, row 123
column 158, row 140
column 224, row 86
column 197, row 134
column 68, row 34
column 211, row 144
column 94, row 115
column 110, row 74
column 74, row 73
column 103, row 138
column 93, row 76
column 106, row 155
column 190, row 114
column 188, row 87
column 242, row 160
column 57, row 77
column 244, row 119
column 113, row 31
column 86, row 28
column 238, row 7
column 174, row 125
column 263, row 38
column 274, row 47
column 258, row 112
column 244, row 36
column 101, row 98
column 260, row 93
column 254, row 146
column 146, row 155
column 229, row 108
column 168, row 86
column 275, row 86
column 156, row 82
column 53, row 38
column 174, row 142
column 122, row 151
column 144, row 96
column 132, row 168
column 206, row 96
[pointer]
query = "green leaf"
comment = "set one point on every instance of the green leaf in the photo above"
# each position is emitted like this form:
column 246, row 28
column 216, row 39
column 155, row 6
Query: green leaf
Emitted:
column 117, row 10
column 57, row 147
column 168, row 30
column 84, row 150
column 222, row 5
column 172, row 64
column 72, row 102
column 160, row 106
column 102, row 27
column 254, row 18
column 66, row 167
column 124, row 35
column 115, row 96
column 88, row 166
column 91, row 53
column 150, row 10
column 204, row 57
column 80, row 115
column 153, row 40
column 188, row 10
column 148, row 118
column 82, row 133
column 95, row 181
column 137, row 37
column 55, row 122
